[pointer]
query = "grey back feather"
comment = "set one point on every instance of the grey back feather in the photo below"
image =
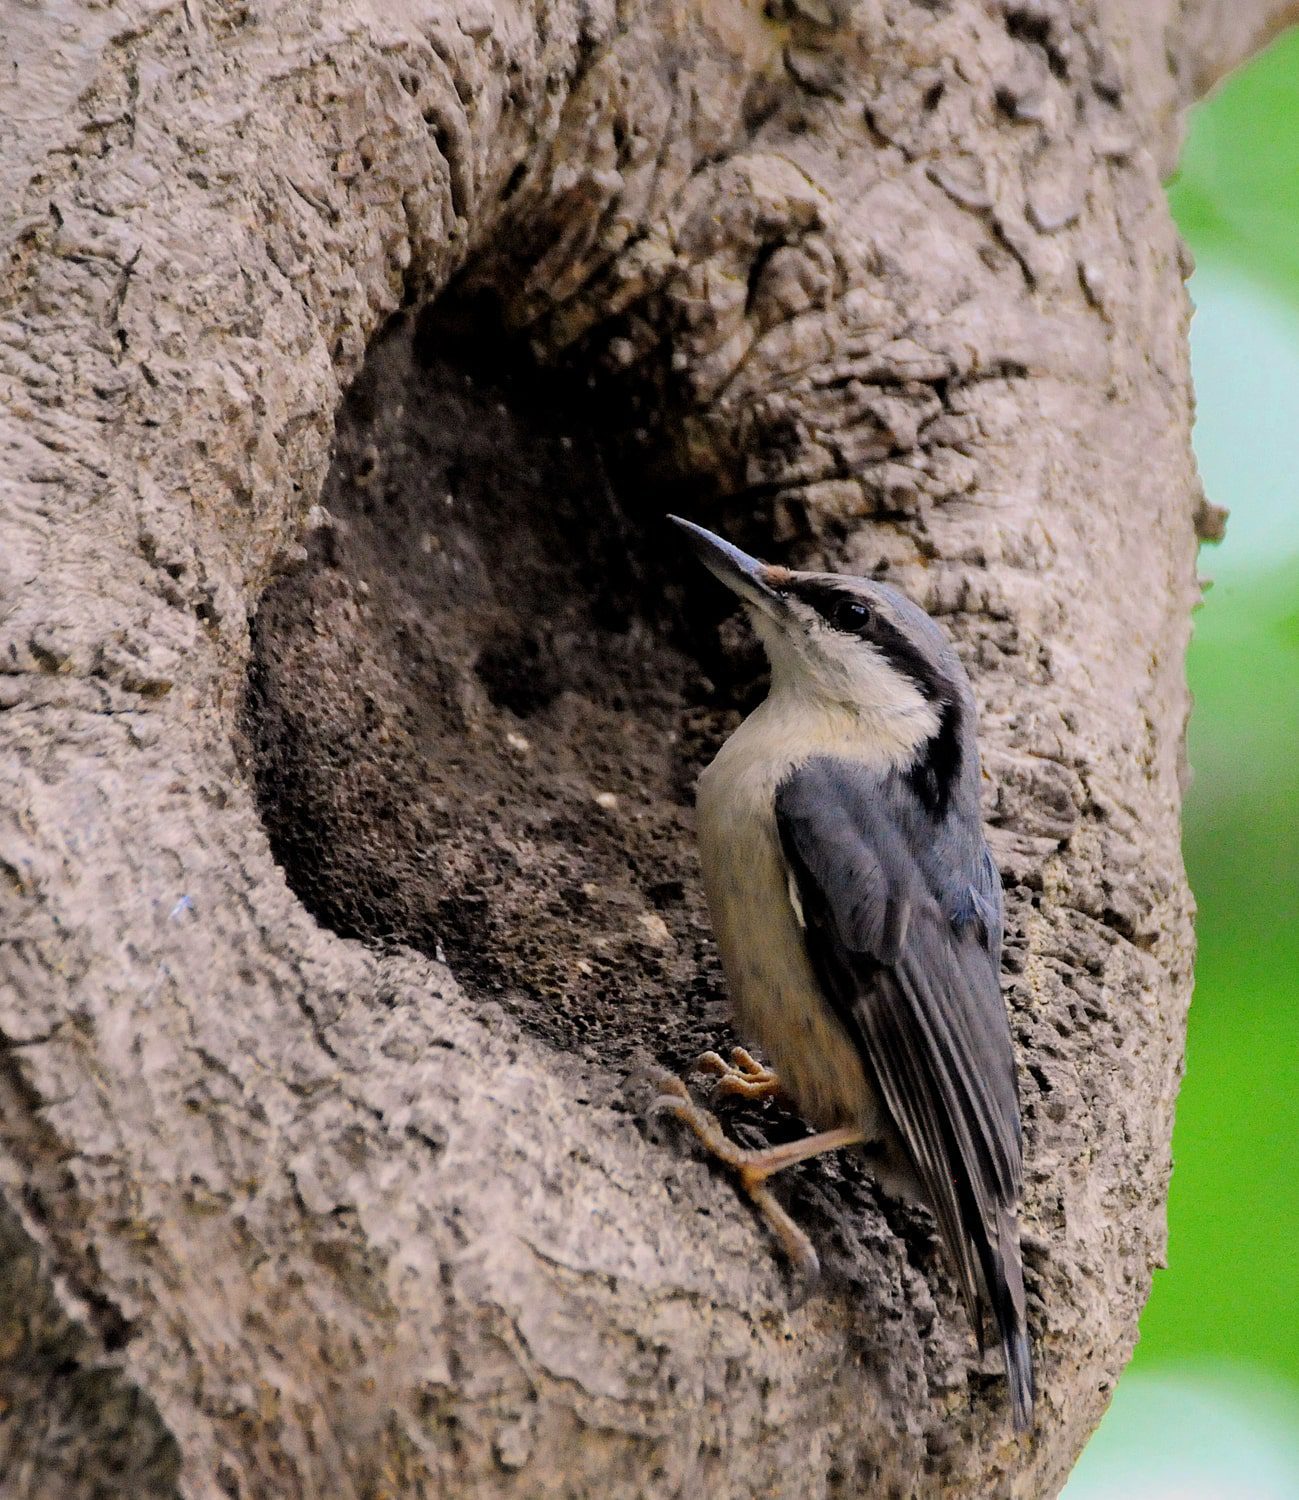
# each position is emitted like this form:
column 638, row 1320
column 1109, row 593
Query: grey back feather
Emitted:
column 904, row 933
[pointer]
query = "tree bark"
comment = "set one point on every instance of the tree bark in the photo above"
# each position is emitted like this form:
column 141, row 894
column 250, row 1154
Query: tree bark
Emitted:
column 345, row 849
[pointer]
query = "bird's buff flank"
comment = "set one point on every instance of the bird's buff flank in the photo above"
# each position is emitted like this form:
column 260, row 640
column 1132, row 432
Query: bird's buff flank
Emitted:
column 858, row 914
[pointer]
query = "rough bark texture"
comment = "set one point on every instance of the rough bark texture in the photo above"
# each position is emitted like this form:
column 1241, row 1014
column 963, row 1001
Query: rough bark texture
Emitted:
column 345, row 857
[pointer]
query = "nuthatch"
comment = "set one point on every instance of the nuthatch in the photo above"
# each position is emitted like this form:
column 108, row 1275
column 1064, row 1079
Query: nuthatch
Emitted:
column 858, row 913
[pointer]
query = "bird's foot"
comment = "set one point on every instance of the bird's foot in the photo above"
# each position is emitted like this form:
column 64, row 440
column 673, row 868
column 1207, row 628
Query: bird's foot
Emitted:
column 754, row 1167
column 744, row 1077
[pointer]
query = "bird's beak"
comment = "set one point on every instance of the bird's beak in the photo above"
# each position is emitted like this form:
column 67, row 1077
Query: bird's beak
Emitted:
column 756, row 582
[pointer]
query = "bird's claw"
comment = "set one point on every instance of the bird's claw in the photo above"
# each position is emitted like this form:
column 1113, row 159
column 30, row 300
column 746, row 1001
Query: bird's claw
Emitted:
column 744, row 1077
column 752, row 1168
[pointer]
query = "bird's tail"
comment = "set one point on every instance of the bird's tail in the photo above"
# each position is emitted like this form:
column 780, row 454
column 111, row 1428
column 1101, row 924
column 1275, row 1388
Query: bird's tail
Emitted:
column 1019, row 1375
column 1006, row 1291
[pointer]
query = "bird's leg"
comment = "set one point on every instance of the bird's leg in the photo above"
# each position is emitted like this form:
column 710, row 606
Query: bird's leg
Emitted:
column 744, row 1077
column 755, row 1167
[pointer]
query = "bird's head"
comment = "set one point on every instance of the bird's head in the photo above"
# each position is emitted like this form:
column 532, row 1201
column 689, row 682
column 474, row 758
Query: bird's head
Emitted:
column 840, row 643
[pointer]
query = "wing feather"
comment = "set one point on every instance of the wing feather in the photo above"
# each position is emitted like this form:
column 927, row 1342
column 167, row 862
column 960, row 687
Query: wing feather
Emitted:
column 905, row 940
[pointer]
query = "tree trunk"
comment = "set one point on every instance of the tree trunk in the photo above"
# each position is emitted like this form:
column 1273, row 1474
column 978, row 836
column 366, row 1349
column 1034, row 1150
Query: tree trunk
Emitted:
column 345, row 829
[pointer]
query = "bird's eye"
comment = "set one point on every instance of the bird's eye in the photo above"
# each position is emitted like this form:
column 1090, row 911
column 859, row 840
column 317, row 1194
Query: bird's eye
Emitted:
column 850, row 615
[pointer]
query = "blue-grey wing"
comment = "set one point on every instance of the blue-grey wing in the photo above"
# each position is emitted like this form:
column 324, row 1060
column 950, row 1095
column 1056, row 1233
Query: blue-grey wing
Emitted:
column 985, row 897
column 909, row 959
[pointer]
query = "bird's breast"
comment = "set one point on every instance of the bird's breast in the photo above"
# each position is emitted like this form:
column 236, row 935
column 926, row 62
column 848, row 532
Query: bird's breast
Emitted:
column 777, row 1000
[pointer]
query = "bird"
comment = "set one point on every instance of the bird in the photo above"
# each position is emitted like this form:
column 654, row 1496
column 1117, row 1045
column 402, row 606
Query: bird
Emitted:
column 858, row 914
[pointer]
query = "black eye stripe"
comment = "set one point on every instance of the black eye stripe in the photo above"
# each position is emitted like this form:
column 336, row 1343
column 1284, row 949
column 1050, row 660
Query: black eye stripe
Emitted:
column 834, row 605
column 827, row 599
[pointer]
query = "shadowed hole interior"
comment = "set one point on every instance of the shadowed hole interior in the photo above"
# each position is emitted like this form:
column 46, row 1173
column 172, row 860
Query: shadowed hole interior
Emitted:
column 476, row 713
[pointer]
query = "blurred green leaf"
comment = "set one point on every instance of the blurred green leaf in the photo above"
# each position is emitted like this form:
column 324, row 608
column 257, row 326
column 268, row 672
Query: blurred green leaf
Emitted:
column 1232, row 1286
column 1237, row 189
